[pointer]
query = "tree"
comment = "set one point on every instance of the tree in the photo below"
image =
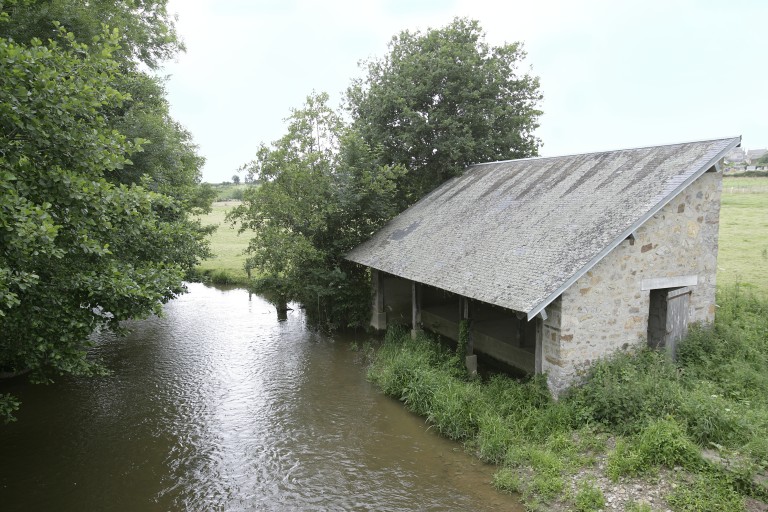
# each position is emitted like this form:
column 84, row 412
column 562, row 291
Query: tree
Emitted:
column 147, row 32
column 84, row 242
column 444, row 99
column 321, row 194
column 235, row 179
column 436, row 103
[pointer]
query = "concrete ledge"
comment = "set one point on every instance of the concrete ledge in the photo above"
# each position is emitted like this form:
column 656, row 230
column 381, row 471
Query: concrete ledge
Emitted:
column 669, row 282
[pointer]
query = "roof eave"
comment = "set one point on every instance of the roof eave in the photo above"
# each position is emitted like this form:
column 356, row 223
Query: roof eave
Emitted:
column 631, row 229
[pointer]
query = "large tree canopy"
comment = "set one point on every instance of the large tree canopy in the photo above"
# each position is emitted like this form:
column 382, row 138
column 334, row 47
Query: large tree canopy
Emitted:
column 444, row 99
column 146, row 30
column 437, row 102
column 97, row 184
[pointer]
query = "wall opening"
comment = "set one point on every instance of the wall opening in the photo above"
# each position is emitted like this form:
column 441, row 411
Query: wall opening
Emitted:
column 668, row 317
column 657, row 318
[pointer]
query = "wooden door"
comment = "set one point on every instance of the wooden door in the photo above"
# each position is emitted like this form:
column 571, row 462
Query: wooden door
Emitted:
column 677, row 318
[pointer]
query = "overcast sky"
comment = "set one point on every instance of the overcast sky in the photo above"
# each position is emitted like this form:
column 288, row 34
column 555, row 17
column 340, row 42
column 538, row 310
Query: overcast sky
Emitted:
column 613, row 74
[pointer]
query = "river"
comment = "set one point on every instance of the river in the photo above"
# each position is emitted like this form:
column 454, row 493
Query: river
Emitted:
column 219, row 406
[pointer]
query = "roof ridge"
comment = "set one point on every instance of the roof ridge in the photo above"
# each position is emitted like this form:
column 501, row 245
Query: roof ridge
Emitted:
column 648, row 146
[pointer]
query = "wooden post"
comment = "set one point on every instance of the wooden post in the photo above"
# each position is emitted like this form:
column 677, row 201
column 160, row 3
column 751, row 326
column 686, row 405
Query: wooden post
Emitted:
column 415, row 309
column 378, row 313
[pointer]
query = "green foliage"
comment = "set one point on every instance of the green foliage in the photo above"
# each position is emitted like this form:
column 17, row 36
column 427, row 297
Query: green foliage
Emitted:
column 229, row 191
column 589, row 497
column 80, row 247
column 507, row 480
column 461, row 345
column 321, row 194
column 8, row 405
column 707, row 493
column 444, row 99
column 147, row 32
column 662, row 442
column 627, row 390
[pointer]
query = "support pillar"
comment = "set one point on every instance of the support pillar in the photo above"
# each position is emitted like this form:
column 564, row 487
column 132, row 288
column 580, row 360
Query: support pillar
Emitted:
column 378, row 313
column 415, row 309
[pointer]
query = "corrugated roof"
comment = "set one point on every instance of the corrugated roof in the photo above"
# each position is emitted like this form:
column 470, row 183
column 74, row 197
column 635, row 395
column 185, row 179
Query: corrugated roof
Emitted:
column 518, row 233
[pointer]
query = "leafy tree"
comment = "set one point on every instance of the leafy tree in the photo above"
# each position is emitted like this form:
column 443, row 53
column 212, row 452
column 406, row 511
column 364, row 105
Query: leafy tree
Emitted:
column 236, row 179
column 146, row 31
column 321, row 194
column 83, row 242
column 168, row 162
column 443, row 99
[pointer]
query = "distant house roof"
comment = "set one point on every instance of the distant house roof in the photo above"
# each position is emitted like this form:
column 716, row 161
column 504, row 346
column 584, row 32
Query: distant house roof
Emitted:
column 755, row 154
column 518, row 233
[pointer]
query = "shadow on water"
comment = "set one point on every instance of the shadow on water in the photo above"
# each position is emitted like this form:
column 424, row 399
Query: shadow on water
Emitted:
column 220, row 406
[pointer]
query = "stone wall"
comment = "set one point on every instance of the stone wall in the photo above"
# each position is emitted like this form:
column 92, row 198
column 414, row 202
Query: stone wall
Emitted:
column 607, row 308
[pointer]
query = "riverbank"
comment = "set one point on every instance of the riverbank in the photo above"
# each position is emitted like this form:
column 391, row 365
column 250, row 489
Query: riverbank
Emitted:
column 643, row 433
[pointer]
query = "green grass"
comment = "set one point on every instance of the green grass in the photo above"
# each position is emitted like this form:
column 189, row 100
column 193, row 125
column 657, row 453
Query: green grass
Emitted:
column 226, row 267
column 743, row 253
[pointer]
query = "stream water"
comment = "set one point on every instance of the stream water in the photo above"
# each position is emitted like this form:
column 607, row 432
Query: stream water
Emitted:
column 220, row 406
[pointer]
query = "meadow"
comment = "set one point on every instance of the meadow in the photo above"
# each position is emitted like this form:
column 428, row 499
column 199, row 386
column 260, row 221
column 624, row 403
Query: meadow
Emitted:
column 743, row 252
column 226, row 266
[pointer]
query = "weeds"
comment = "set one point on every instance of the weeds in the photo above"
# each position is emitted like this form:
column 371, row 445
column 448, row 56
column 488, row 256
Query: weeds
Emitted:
column 706, row 493
column 589, row 497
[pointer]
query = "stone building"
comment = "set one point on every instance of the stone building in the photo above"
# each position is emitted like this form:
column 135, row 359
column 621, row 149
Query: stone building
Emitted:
column 556, row 262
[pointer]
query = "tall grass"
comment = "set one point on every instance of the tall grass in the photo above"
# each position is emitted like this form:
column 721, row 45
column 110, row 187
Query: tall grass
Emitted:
column 660, row 412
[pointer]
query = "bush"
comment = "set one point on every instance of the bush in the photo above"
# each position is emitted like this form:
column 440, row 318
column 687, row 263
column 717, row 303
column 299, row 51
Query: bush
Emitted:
column 661, row 443
column 626, row 391
column 589, row 498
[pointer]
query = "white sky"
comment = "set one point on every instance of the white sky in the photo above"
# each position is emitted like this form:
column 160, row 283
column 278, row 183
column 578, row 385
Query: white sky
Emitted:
column 614, row 74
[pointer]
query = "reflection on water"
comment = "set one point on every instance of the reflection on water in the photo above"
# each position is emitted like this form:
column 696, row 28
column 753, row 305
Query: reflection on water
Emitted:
column 218, row 406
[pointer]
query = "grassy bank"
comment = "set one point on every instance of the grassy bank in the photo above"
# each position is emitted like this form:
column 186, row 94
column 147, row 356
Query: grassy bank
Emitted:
column 226, row 267
column 691, row 434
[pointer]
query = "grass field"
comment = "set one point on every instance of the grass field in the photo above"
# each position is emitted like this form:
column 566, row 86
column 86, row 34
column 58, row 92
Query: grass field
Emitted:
column 226, row 244
column 743, row 254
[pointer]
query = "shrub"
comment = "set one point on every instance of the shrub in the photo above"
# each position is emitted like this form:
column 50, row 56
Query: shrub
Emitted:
column 589, row 497
column 661, row 443
column 627, row 390
column 507, row 480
